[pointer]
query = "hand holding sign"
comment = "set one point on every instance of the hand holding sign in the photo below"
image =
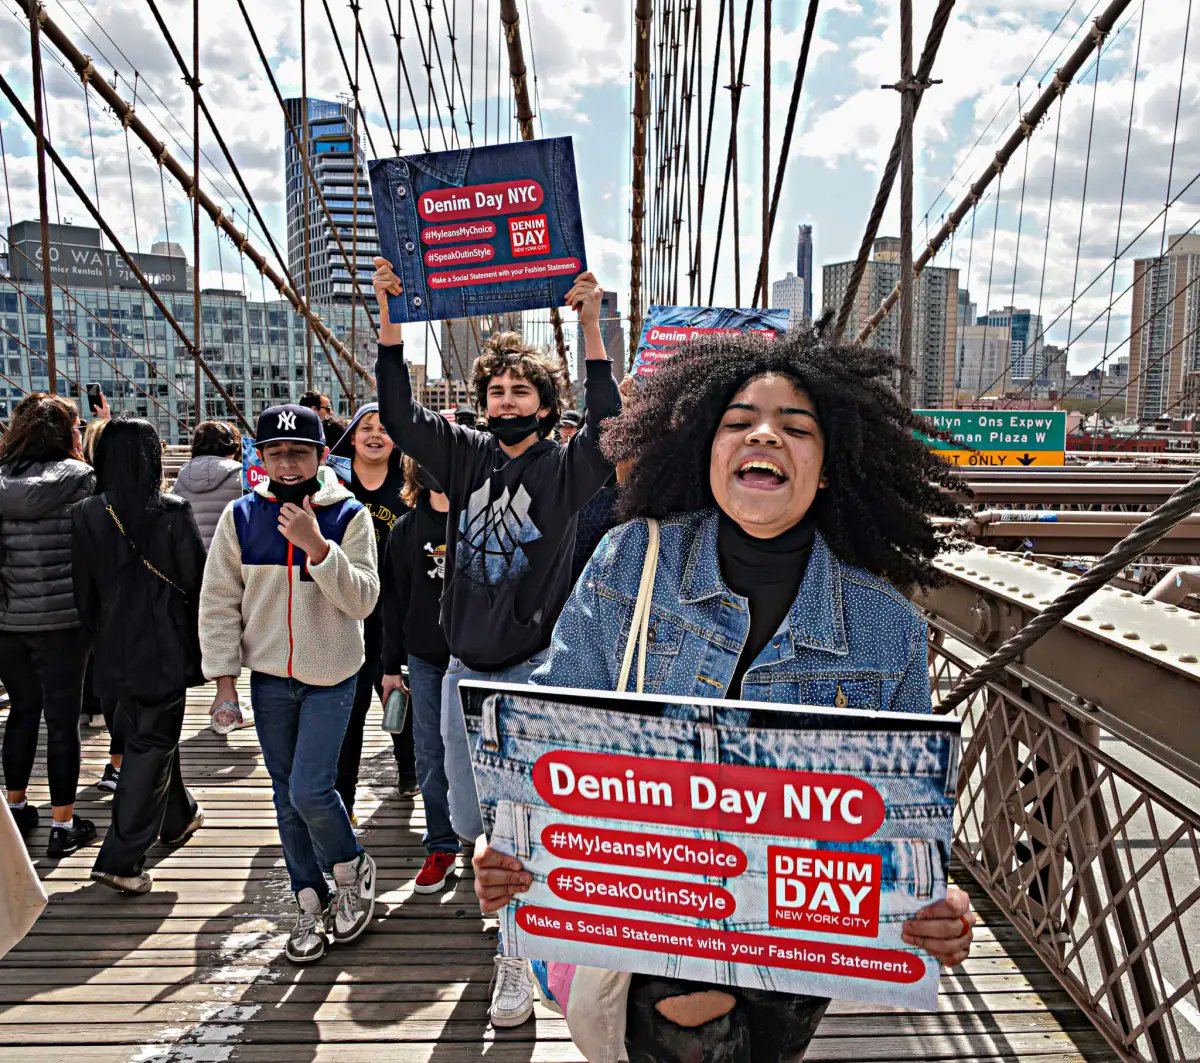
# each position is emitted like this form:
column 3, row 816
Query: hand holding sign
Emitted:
column 498, row 878
column 944, row 929
column 585, row 296
column 385, row 282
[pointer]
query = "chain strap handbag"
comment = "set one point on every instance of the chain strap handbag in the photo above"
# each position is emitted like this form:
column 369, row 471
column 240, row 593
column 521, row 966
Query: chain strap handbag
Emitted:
column 136, row 551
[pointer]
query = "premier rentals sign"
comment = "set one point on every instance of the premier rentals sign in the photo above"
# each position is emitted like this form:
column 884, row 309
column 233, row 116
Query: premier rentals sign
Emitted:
column 77, row 260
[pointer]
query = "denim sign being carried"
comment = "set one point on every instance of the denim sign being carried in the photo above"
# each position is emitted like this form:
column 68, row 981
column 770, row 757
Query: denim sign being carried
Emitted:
column 666, row 328
column 480, row 230
column 719, row 841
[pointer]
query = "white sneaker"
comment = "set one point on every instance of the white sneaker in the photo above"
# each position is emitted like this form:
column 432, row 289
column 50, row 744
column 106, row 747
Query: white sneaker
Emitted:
column 512, row 992
column 354, row 902
column 306, row 942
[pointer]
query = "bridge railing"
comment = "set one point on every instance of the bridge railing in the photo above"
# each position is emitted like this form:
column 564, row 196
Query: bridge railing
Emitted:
column 1079, row 790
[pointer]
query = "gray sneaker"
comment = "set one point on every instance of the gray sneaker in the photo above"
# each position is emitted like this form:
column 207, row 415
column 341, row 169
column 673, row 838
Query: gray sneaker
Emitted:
column 354, row 902
column 306, row 942
column 196, row 823
column 141, row 883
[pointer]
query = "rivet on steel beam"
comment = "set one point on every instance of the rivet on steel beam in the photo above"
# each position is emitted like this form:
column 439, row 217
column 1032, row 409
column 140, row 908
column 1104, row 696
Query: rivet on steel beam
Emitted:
column 1012, row 809
column 1061, row 848
column 972, row 572
column 1106, row 626
column 1188, row 658
column 1158, row 645
column 1085, row 617
column 1146, row 601
column 985, row 579
column 1170, row 609
column 1133, row 636
column 1044, row 601
column 1127, row 594
column 1027, row 594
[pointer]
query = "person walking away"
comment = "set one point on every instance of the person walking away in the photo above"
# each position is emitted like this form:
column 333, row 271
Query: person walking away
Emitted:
column 96, row 711
column 514, row 499
column 377, row 481
column 783, row 545
column 413, row 577
column 212, row 477
column 291, row 575
column 43, row 650
column 138, row 560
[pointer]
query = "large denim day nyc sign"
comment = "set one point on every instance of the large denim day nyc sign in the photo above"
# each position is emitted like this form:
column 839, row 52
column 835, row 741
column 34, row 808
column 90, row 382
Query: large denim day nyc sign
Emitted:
column 719, row 841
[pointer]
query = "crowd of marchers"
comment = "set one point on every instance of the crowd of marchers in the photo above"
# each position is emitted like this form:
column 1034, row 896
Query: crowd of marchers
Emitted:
column 408, row 550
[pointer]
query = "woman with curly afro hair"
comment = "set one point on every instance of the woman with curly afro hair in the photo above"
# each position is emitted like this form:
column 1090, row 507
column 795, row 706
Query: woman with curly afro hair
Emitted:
column 792, row 502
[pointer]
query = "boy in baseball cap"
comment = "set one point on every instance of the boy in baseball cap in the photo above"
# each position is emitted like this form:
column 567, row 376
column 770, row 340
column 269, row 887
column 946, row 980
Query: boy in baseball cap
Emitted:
column 291, row 575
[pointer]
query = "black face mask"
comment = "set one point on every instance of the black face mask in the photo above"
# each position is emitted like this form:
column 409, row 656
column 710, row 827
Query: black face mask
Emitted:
column 294, row 493
column 512, row 430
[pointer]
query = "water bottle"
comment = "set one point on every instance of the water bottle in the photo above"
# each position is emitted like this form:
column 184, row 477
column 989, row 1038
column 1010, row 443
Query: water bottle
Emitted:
column 395, row 711
column 226, row 717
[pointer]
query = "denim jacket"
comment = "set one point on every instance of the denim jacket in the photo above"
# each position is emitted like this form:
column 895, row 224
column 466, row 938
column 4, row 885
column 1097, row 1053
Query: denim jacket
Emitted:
column 850, row 639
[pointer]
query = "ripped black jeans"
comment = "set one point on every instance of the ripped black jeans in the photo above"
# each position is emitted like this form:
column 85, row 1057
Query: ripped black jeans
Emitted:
column 762, row 1026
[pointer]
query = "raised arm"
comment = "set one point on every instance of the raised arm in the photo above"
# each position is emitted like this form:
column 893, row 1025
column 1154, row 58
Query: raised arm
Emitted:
column 433, row 442
column 585, row 469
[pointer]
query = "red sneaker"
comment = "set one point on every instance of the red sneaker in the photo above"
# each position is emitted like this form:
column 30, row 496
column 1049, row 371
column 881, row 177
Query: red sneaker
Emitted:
column 432, row 876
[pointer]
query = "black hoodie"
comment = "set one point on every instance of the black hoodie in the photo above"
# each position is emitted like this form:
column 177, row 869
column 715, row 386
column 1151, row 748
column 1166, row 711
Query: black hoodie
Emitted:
column 511, row 526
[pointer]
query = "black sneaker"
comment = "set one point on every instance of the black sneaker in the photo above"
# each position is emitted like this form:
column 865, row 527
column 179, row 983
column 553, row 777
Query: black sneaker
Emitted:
column 108, row 781
column 64, row 841
column 407, row 786
column 25, row 818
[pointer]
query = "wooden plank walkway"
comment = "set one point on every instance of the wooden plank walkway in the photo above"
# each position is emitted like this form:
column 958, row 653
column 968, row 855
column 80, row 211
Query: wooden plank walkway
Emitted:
column 194, row 971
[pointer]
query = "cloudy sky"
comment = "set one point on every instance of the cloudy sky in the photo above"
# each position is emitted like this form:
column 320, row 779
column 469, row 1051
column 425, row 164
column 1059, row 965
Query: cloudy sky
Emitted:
column 992, row 60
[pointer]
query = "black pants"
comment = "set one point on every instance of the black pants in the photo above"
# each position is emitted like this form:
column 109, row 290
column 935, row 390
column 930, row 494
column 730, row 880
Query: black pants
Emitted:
column 42, row 673
column 94, row 705
column 370, row 680
column 763, row 1027
column 151, row 800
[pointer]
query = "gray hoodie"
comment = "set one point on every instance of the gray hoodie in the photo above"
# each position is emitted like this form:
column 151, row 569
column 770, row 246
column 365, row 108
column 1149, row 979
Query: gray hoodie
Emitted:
column 36, row 589
column 209, row 483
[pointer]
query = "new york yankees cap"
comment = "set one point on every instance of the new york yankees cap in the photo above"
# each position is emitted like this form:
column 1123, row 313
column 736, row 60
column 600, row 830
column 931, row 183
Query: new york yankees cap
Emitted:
column 290, row 423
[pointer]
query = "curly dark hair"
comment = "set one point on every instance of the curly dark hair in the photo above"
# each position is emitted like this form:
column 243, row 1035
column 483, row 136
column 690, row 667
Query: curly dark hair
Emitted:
column 507, row 352
column 884, row 484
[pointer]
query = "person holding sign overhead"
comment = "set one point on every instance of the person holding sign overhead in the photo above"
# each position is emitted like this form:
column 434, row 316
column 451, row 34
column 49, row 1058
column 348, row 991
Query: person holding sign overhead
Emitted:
column 514, row 501
column 781, row 544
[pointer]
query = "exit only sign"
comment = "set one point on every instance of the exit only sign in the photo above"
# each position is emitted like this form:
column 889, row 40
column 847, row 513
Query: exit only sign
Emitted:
column 999, row 438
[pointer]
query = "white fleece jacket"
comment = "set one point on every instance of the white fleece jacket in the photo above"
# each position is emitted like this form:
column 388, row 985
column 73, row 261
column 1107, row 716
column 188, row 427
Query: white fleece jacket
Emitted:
column 264, row 607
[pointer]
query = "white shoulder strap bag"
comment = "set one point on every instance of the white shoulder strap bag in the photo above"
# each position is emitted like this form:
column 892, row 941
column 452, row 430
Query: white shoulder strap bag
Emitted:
column 596, row 1007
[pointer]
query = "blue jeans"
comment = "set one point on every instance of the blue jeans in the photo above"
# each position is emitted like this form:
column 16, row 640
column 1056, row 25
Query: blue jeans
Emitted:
column 464, row 803
column 300, row 729
column 425, row 682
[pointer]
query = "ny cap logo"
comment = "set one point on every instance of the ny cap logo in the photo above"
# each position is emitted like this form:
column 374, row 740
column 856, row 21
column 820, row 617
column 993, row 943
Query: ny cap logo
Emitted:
column 287, row 422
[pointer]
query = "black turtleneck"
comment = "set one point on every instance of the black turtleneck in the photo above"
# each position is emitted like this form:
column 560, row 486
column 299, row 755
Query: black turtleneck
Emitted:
column 768, row 573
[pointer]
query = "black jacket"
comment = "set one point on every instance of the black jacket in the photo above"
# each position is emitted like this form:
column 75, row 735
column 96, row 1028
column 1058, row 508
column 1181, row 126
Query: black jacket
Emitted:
column 144, row 630
column 35, row 543
column 511, row 526
column 413, row 570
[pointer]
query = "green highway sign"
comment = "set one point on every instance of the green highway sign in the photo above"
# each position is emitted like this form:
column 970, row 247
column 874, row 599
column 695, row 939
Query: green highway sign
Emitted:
column 1004, row 438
